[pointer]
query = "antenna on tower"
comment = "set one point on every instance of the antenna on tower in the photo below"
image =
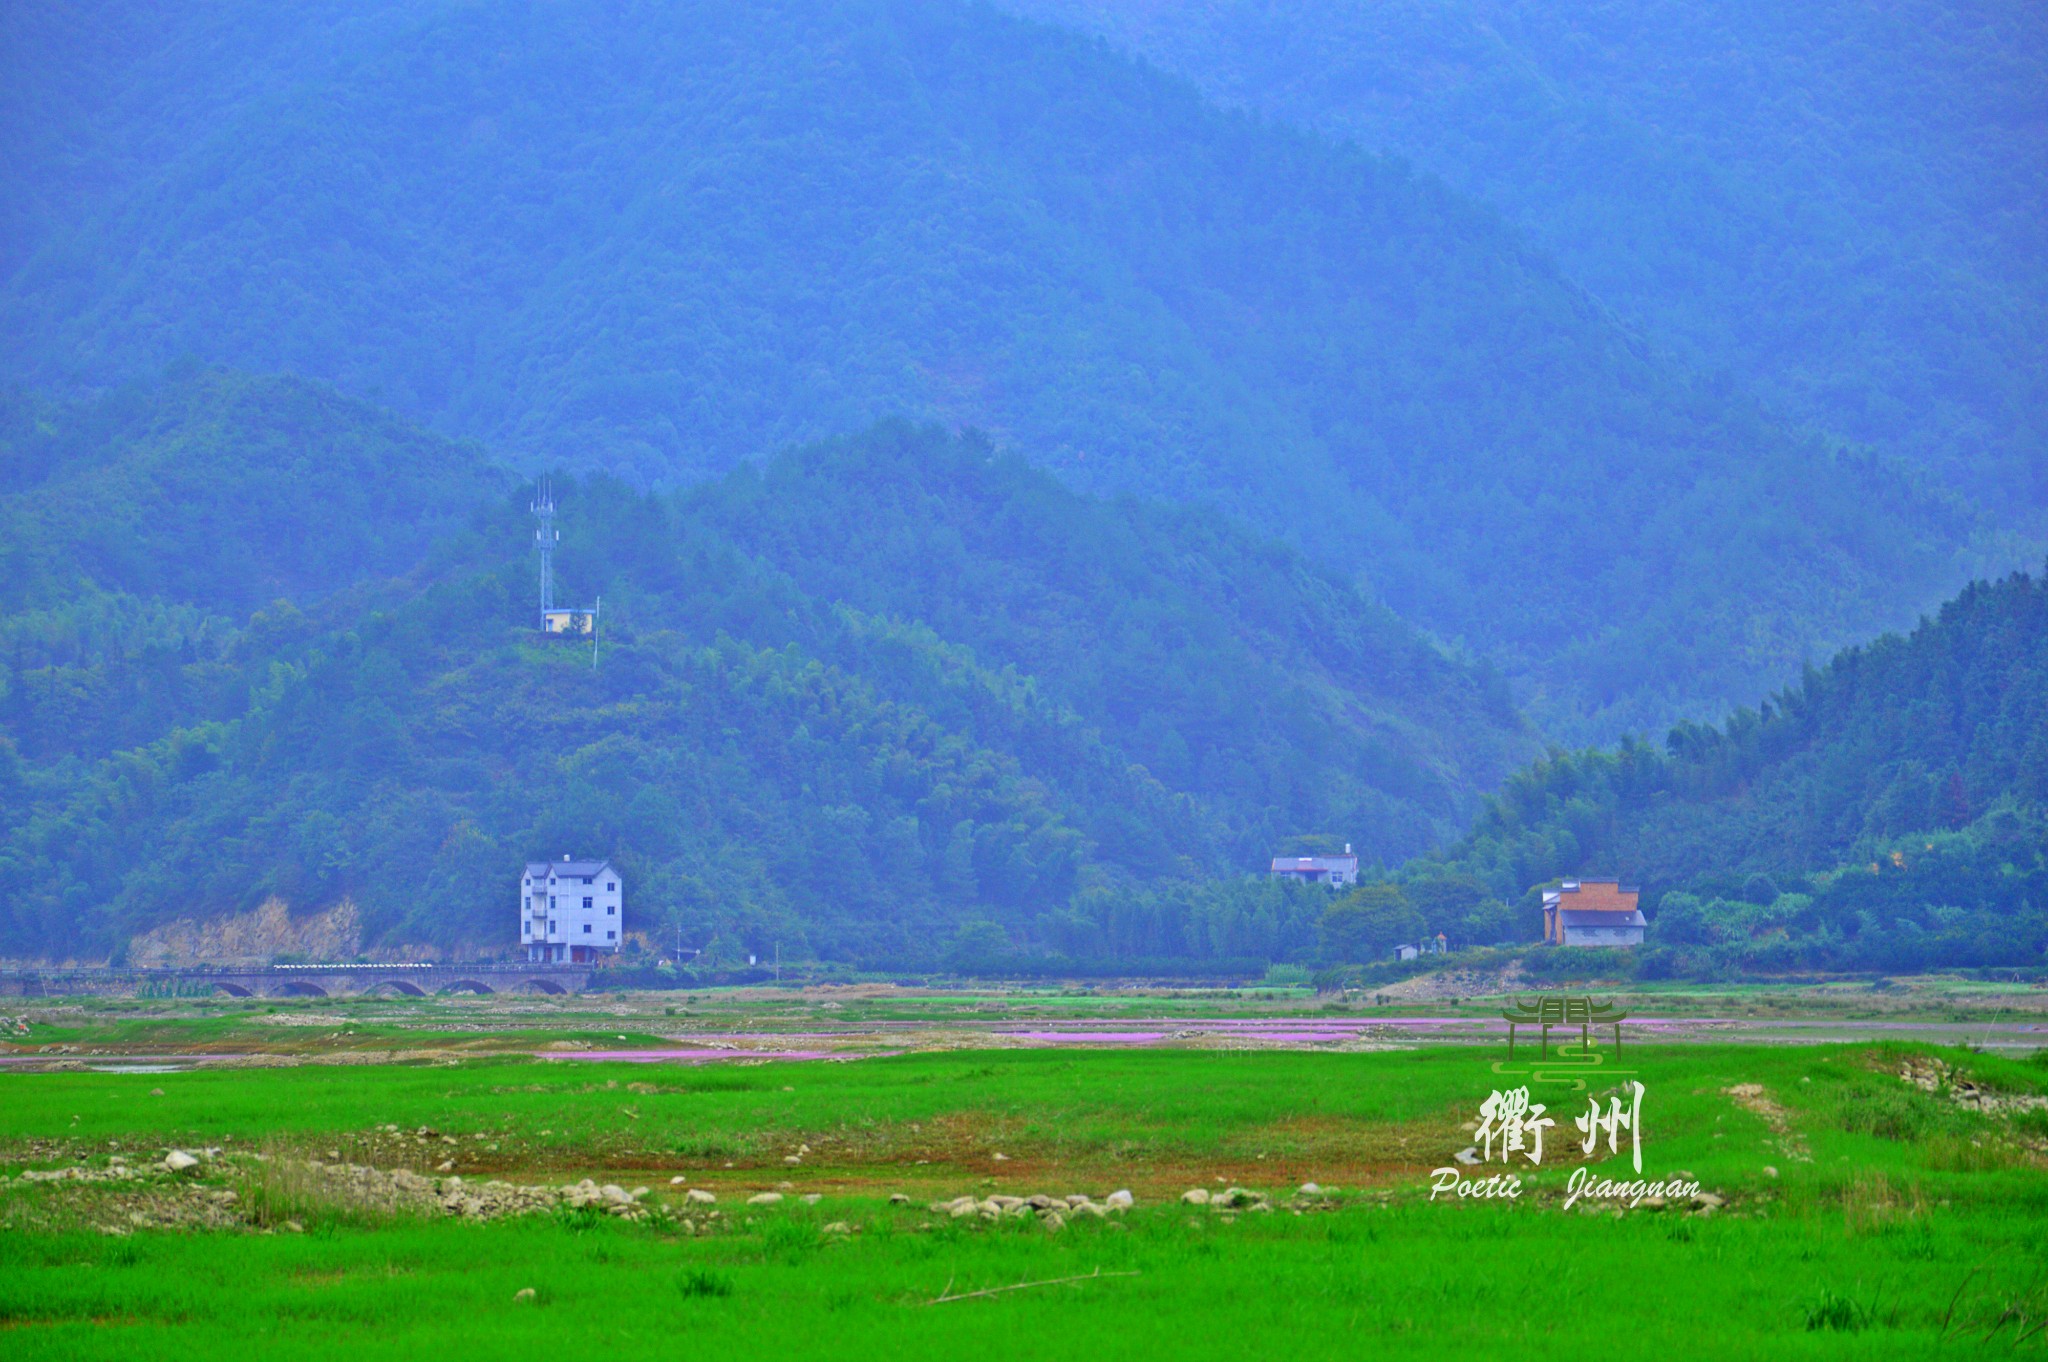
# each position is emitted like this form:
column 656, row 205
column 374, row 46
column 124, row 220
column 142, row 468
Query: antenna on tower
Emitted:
column 546, row 537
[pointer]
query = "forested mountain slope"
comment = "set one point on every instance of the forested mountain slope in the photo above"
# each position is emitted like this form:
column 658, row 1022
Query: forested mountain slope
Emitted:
column 658, row 239
column 853, row 701
column 1838, row 202
column 1889, row 812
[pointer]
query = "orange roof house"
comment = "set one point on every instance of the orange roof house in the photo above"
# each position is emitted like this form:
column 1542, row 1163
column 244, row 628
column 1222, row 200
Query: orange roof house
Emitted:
column 1587, row 912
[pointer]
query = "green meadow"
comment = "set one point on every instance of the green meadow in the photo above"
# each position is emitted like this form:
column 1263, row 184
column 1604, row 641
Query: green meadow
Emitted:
column 1861, row 1216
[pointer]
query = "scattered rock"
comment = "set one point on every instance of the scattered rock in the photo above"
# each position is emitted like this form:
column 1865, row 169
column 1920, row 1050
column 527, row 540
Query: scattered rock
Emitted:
column 697, row 1196
column 813, row 1198
column 1196, row 1196
column 1754, row 1098
column 837, row 1227
column 791, row 1159
column 1002, row 1158
column 1310, row 1189
column 1120, row 1200
column 898, row 1199
column 1769, row 1171
column 764, row 1198
column 1469, row 1156
column 178, row 1161
column 1937, row 1076
column 524, row 1293
column 156, row 1092
column 677, row 1182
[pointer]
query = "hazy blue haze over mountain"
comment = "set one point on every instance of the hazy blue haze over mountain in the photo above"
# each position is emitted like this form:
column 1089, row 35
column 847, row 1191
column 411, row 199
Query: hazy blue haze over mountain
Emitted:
column 658, row 240
column 1840, row 202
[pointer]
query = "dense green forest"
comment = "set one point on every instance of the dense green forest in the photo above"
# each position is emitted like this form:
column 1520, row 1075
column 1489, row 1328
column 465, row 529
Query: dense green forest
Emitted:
column 658, row 240
column 1889, row 812
column 875, row 701
column 1839, row 203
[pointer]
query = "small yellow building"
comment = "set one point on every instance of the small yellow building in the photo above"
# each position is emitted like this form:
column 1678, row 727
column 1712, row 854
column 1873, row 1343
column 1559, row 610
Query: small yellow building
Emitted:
column 569, row 623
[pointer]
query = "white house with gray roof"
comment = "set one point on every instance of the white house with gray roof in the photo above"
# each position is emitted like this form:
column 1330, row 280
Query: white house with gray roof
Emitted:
column 570, row 911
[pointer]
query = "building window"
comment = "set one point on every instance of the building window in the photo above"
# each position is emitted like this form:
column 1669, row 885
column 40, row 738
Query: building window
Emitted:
column 611, row 936
column 611, row 888
column 586, row 929
column 551, row 924
column 587, row 878
column 610, row 909
column 586, row 901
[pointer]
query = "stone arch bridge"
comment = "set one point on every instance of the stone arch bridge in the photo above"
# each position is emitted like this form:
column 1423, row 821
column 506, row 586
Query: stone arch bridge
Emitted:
column 296, row 981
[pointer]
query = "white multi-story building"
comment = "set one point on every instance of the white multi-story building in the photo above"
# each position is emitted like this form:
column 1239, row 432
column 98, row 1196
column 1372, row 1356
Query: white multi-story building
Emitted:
column 570, row 911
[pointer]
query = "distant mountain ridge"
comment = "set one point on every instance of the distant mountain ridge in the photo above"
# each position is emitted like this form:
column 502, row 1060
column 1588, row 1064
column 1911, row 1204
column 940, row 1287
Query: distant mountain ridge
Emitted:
column 658, row 240
column 1837, row 202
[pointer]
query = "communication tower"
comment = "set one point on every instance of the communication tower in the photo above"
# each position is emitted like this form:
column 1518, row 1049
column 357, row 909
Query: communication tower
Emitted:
column 556, row 621
column 547, row 537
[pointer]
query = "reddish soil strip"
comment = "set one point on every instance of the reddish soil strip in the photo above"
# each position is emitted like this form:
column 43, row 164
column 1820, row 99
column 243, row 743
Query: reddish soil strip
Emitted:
column 708, row 1056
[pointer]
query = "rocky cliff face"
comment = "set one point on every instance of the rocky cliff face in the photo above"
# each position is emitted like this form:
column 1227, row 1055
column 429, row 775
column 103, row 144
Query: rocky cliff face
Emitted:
column 253, row 938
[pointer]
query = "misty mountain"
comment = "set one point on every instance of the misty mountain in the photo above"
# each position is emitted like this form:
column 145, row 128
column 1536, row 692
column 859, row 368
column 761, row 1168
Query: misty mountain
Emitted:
column 1837, row 203
column 656, row 241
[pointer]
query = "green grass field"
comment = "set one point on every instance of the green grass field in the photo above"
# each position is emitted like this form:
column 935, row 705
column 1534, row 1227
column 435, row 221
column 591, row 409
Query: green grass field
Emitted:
column 1862, row 1217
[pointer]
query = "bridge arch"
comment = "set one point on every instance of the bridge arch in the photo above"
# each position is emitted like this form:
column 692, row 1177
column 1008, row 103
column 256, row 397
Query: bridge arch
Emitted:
column 467, row 986
column 233, row 990
column 404, row 986
column 544, row 986
column 300, row 988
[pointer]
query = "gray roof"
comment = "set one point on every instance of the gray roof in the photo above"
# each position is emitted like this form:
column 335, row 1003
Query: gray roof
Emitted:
column 540, row 870
column 1593, row 917
column 1310, row 863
